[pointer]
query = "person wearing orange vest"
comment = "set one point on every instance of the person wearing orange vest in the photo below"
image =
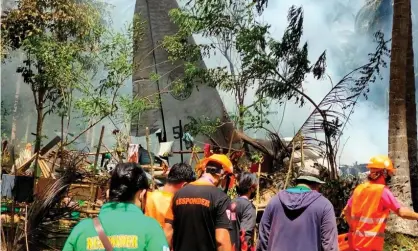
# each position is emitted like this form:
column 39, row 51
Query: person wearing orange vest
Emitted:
column 369, row 207
column 157, row 202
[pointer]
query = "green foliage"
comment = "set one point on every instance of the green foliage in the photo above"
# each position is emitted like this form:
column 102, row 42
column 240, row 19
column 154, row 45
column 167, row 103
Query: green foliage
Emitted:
column 202, row 125
column 56, row 38
column 338, row 191
column 232, row 193
column 74, row 64
column 231, row 31
column 114, row 57
column 4, row 113
column 285, row 66
column 276, row 69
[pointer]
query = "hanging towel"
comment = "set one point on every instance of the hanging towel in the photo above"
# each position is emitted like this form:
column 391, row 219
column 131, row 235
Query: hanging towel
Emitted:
column 7, row 184
column 188, row 140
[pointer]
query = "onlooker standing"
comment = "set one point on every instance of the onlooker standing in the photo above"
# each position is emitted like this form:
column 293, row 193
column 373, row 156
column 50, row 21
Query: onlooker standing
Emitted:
column 197, row 219
column 121, row 224
column 243, row 214
column 159, row 201
column 299, row 219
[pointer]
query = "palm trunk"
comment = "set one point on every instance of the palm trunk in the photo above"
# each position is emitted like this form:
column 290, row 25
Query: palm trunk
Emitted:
column 397, row 137
column 411, row 114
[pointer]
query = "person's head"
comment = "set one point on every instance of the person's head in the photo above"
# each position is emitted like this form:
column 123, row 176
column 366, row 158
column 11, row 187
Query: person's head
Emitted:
column 180, row 174
column 381, row 167
column 310, row 180
column 247, row 184
column 128, row 184
column 219, row 167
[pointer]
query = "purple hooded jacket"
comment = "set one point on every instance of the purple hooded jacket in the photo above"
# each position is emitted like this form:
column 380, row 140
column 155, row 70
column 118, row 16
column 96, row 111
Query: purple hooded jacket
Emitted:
column 298, row 219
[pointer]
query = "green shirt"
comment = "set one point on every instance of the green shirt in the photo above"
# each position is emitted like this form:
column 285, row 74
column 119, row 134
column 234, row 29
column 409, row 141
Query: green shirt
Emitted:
column 125, row 225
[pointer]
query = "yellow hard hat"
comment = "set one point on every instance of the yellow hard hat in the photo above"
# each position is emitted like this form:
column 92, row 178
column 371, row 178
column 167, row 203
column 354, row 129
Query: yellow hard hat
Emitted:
column 221, row 159
column 381, row 162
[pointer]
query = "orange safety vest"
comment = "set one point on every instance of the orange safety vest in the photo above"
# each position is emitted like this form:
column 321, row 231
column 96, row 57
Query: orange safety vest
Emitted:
column 368, row 220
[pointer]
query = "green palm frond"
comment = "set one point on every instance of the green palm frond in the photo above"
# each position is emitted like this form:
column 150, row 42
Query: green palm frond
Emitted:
column 323, row 128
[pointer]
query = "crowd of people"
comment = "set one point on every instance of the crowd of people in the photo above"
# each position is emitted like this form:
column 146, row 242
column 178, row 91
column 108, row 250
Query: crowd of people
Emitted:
column 192, row 213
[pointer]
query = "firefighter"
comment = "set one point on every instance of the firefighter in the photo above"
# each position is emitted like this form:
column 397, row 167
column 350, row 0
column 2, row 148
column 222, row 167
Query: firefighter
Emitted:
column 368, row 208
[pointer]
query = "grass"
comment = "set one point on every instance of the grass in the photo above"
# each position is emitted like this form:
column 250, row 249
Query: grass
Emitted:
column 400, row 242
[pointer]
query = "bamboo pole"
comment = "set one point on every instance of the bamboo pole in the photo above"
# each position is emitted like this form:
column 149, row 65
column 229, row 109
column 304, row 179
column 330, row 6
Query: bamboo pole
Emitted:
column 230, row 143
column 96, row 159
column 98, row 147
column 192, row 156
column 26, row 227
column 150, row 157
column 302, row 155
column 289, row 171
column 257, row 198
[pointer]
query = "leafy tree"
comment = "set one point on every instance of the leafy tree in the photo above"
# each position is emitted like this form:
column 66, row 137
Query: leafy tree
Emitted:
column 229, row 27
column 55, row 37
column 74, row 64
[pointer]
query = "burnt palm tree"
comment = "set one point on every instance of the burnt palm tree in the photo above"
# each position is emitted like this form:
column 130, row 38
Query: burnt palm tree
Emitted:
column 402, row 113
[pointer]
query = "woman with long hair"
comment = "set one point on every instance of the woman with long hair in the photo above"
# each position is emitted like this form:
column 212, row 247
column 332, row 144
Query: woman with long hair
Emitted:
column 121, row 224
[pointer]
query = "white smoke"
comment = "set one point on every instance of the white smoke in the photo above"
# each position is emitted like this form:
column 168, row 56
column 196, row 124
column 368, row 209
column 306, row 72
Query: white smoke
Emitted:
column 330, row 25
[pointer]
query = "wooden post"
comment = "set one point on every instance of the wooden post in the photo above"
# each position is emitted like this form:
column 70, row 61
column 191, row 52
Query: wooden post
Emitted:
column 289, row 171
column 230, row 143
column 192, row 156
column 181, row 141
column 302, row 155
column 257, row 198
column 96, row 159
column 98, row 148
column 150, row 157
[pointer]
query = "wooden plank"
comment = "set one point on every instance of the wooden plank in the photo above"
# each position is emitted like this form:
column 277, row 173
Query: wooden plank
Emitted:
column 27, row 162
column 50, row 145
column 148, row 167
column 43, row 151
column 44, row 171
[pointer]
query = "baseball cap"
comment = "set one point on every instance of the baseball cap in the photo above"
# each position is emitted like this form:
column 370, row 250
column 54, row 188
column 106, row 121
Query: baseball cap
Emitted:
column 310, row 177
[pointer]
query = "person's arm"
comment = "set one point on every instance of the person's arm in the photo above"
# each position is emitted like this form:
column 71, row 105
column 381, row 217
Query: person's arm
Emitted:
column 223, row 239
column 347, row 211
column 265, row 226
column 407, row 213
column 168, row 227
column 329, row 232
column 168, row 231
column 392, row 203
column 156, row 238
column 248, row 222
column 222, row 225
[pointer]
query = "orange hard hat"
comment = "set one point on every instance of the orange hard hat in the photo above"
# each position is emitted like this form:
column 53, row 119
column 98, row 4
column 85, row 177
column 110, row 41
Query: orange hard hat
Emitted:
column 381, row 162
column 221, row 159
